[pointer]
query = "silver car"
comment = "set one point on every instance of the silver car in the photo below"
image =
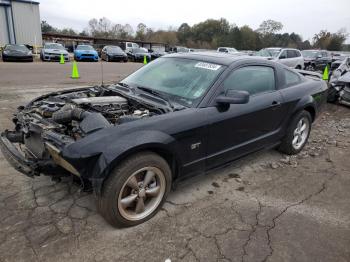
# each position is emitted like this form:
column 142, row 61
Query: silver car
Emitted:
column 229, row 50
column 53, row 51
column 288, row 56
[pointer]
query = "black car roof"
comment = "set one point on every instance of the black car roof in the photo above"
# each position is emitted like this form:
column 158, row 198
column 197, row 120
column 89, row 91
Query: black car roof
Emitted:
column 216, row 57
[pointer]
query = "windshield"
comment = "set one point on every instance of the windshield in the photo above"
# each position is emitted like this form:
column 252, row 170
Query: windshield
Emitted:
column 115, row 49
column 181, row 80
column 274, row 52
column 85, row 47
column 311, row 54
column 54, row 46
column 16, row 47
column 264, row 53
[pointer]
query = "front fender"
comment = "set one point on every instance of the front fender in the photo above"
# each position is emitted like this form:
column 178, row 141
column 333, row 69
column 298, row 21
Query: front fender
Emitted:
column 94, row 158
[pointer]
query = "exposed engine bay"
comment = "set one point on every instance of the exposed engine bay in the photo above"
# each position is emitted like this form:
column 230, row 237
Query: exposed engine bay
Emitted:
column 52, row 121
column 79, row 113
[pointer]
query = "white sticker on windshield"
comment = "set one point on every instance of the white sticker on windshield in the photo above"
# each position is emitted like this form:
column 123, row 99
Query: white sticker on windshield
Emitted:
column 208, row 66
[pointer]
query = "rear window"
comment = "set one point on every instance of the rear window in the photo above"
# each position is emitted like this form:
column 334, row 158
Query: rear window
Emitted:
column 291, row 78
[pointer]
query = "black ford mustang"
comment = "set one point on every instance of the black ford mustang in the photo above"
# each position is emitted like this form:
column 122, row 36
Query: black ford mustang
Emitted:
column 178, row 116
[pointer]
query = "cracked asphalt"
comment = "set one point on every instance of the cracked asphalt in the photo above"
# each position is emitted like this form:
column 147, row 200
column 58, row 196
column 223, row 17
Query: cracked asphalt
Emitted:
column 264, row 207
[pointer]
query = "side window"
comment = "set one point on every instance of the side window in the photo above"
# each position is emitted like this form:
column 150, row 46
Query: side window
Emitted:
column 129, row 45
column 291, row 54
column 298, row 54
column 291, row 78
column 283, row 55
column 254, row 79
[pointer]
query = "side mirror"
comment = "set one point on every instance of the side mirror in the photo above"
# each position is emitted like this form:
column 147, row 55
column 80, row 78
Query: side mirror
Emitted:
column 233, row 97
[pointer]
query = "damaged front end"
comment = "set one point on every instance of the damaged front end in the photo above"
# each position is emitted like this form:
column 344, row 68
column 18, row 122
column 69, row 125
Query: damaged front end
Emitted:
column 50, row 123
column 340, row 84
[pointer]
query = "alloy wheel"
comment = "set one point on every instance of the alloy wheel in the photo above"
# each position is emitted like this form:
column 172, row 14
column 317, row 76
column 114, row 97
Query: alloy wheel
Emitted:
column 301, row 133
column 142, row 193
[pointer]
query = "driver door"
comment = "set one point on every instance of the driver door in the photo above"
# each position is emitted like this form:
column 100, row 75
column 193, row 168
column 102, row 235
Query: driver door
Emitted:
column 242, row 128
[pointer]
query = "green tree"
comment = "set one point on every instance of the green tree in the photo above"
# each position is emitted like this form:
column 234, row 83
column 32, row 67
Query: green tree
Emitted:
column 184, row 33
column 47, row 28
column 270, row 27
column 248, row 38
column 141, row 31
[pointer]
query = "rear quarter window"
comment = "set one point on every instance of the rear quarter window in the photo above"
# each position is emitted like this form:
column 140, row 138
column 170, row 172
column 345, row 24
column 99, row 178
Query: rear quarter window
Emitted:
column 291, row 78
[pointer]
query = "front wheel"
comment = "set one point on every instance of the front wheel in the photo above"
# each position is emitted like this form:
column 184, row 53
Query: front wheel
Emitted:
column 297, row 134
column 135, row 190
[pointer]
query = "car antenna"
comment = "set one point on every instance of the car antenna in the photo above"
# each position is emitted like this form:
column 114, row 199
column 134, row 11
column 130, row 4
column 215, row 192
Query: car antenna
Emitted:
column 101, row 72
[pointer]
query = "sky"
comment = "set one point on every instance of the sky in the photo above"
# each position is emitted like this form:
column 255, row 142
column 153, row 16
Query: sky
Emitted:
column 305, row 17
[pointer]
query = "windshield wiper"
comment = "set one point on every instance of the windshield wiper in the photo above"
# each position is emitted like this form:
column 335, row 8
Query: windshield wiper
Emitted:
column 156, row 93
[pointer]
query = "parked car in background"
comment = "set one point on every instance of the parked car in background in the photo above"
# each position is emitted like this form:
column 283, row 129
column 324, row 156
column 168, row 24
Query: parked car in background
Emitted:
column 179, row 49
column 85, row 53
column 316, row 59
column 16, row 53
column 128, row 46
column 179, row 116
column 229, row 50
column 53, row 52
column 336, row 63
column 138, row 55
column 288, row 56
column 156, row 53
column 113, row 53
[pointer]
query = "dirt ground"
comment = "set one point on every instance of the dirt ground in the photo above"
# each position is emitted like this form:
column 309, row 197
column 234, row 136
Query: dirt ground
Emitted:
column 265, row 207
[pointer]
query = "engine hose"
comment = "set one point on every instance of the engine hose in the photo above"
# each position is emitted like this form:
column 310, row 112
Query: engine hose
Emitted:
column 67, row 116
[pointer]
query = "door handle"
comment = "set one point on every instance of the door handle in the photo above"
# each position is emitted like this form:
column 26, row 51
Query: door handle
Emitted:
column 275, row 104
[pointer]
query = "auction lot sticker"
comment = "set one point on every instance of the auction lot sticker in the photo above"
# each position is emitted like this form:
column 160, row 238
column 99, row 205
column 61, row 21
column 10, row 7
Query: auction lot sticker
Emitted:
column 208, row 66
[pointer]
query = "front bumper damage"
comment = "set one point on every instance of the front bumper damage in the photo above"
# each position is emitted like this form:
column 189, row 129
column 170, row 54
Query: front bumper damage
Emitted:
column 31, row 166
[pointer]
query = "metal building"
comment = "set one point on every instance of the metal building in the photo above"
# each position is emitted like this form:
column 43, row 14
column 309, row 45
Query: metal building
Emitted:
column 20, row 22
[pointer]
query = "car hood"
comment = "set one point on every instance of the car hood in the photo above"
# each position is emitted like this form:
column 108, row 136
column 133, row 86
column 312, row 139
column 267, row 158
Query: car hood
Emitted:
column 85, row 52
column 18, row 53
column 116, row 53
column 56, row 51
column 307, row 59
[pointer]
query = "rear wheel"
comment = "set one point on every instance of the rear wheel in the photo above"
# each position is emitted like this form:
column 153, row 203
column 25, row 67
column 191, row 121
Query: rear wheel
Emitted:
column 135, row 190
column 297, row 134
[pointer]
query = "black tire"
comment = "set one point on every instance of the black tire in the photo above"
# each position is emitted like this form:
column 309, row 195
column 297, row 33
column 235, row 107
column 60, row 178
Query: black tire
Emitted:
column 107, row 202
column 298, row 67
column 286, row 146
